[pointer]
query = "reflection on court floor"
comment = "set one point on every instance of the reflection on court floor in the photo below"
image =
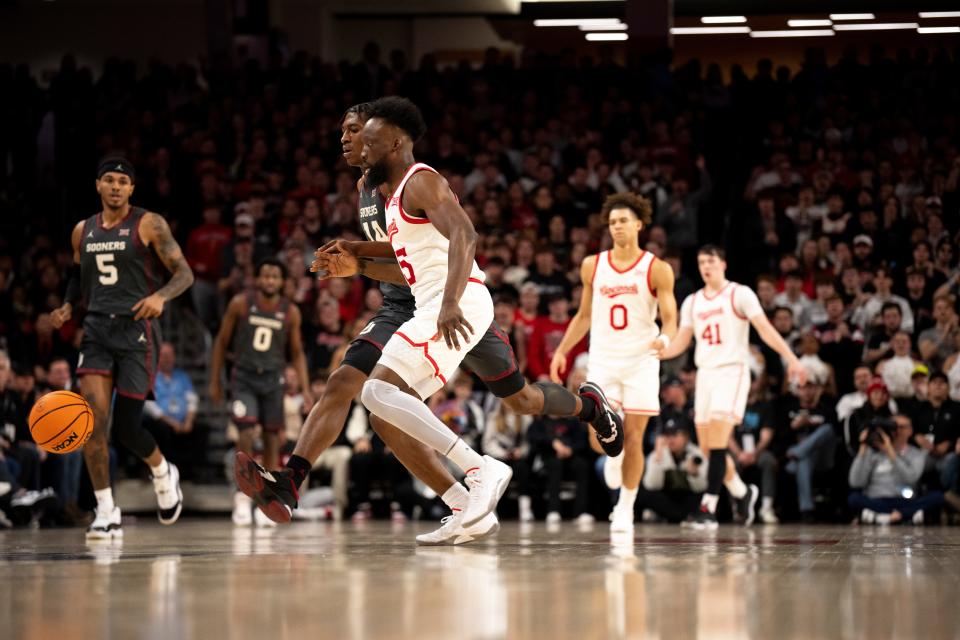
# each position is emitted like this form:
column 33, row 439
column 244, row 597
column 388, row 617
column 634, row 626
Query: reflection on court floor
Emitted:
column 207, row 579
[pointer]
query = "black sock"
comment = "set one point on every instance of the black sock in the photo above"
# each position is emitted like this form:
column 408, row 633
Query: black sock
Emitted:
column 300, row 468
column 716, row 470
column 557, row 401
column 588, row 408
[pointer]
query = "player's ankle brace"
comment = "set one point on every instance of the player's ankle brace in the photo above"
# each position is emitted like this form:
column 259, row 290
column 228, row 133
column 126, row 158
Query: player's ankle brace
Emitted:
column 127, row 417
column 300, row 467
column 589, row 408
column 716, row 470
column 557, row 401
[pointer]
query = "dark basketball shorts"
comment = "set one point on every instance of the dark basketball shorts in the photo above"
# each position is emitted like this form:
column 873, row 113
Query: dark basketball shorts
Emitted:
column 491, row 359
column 119, row 347
column 257, row 398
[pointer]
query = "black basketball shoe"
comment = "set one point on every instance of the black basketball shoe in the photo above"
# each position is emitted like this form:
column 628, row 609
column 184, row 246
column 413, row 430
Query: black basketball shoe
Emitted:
column 273, row 491
column 745, row 508
column 702, row 520
column 607, row 422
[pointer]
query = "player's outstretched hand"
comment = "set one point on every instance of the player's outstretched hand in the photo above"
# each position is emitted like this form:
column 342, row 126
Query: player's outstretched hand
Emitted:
column 149, row 307
column 61, row 315
column 558, row 366
column 797, row 373
column 338, row 261
column 449, row 322
column 330, row 247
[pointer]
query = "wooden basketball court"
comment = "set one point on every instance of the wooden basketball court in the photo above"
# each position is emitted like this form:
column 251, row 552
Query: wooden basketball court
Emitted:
column 207, row 579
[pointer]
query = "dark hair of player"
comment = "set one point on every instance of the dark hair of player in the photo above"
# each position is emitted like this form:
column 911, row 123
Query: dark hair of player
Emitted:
column 271, row 262
column 712, row 250
column 401, row 113
column 639, row 205
column 362, row 110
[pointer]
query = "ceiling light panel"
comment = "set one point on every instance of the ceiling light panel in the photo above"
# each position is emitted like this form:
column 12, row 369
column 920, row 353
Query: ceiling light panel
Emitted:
column 792, row 33
column 689, row 31
column 723, row 19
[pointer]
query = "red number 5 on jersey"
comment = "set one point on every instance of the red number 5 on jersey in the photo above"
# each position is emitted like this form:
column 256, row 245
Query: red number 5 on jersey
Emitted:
column 405, row 266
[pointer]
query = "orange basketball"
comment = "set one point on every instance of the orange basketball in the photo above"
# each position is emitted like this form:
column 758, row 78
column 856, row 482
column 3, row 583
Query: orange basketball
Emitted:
column 61, row 422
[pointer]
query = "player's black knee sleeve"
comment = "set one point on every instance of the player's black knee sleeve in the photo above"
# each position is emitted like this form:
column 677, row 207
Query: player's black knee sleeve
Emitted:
column 557, row 401
column 127, row 417
column 716, row 470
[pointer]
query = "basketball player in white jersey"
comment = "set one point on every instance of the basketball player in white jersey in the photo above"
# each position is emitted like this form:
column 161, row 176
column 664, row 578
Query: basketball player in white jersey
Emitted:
column 433, row 242
column 622, row 289
column 719, row 315
column 489, row 356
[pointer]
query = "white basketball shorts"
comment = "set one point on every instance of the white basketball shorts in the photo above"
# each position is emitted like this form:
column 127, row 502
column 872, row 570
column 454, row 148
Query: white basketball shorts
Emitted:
column 721, row 393
column 420, row 356
column 631, row 384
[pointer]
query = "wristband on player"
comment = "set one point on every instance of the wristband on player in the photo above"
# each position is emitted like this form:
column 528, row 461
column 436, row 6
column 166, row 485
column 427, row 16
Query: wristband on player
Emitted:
column 72, row 294
column 665, row 339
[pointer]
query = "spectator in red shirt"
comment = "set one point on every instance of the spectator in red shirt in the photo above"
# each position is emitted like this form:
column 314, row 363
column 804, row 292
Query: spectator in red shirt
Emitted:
column 524, row 320
column 205, row 247
column 522, row 216
column 347, row 295
column 289, row 218
column 547, row 333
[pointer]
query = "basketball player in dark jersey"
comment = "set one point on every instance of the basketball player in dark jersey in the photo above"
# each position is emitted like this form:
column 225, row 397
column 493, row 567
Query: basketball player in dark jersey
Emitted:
column 262, row 324
column 491, row 358
column 118, row 256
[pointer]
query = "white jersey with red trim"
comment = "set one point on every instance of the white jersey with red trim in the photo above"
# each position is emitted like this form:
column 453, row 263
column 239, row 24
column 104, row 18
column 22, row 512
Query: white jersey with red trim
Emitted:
column 623, row 317
column 422, row 251
column 720, row 323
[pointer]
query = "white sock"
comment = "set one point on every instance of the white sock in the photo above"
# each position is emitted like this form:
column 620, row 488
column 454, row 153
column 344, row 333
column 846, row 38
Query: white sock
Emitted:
column 161, row 469
column 104, row 500
column 456, row 497
column 709, row 501
column 408, row 414
column 736, row 487
column 524, row 503
column 627, row 498
column 767, row 503
column 464, row 457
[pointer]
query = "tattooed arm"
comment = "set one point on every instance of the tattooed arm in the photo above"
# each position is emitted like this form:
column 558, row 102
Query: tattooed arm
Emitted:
column 155, row 232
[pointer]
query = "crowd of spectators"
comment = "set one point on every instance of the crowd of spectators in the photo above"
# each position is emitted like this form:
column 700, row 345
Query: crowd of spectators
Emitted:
column 832, row 186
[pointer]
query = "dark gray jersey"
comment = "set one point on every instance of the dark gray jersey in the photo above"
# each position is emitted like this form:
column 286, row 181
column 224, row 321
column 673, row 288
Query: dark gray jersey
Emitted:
column 116, row 269
column 260, row 337
column 373, row 221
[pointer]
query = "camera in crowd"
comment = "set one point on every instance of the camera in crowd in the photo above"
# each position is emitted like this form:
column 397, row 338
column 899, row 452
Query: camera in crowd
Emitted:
column 877, row 426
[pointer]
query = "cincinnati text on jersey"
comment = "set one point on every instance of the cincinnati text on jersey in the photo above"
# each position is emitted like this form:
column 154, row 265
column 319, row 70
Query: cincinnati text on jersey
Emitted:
column 707, row 314
column 619, row 290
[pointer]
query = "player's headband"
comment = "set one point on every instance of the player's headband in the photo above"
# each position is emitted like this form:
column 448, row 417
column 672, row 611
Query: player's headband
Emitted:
column 117, row 165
